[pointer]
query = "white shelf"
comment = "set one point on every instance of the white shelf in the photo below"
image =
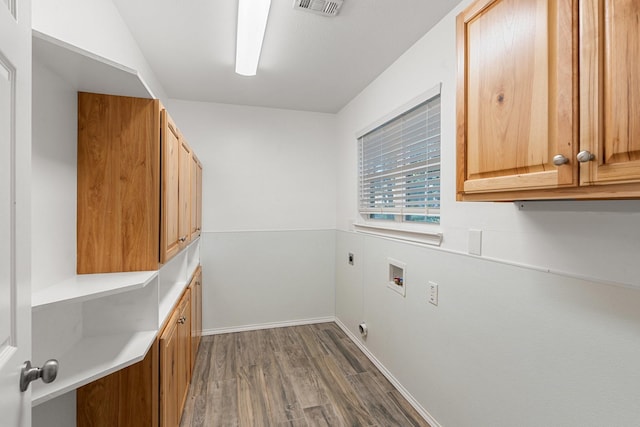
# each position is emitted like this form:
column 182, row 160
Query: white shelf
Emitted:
column 93, row 358
column 86, row 71
column 112, row 324
column 86, row 287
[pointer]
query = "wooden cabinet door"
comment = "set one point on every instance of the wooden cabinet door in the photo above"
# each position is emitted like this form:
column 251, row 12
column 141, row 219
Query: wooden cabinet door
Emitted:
column 516, row 96
column 610, row 91
column 183, row 351
column 184, row 192
column 118, row 183
column 175, row 363
column 198, row 318
column 193, row 193
column 199, row 196
column 196, row 314
column 171, row 148
column 169, row 367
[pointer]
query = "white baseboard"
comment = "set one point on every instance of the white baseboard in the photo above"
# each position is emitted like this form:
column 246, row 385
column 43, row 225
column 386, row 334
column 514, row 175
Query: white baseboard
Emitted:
column 403, row 391
column 256, row 327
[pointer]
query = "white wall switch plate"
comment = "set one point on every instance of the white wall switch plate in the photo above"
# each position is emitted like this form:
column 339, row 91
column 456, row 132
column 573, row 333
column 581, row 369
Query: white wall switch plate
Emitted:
column 475, row 242
column 433, row 293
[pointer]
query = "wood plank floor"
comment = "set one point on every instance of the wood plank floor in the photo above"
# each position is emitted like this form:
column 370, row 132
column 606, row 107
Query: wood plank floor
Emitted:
column 300, row 376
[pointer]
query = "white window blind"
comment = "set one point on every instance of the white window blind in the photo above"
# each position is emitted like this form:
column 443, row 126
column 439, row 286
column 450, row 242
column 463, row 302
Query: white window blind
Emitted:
column 400, row 166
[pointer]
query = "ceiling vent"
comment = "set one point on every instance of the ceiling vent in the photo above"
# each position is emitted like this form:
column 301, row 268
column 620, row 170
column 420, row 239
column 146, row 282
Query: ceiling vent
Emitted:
column 319, row 7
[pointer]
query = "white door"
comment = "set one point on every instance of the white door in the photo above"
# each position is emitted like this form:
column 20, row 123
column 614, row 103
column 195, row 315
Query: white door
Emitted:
column 15, row 214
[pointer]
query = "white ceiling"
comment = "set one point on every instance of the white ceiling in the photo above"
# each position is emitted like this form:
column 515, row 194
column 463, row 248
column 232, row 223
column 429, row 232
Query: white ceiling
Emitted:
column 308, row 62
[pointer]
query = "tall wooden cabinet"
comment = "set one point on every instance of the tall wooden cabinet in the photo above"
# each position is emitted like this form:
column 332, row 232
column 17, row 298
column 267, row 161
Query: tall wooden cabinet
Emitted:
column 139, row 190
column 547, row 100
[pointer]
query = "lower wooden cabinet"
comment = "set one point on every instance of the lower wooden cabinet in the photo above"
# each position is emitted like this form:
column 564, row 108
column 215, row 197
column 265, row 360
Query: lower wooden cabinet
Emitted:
column 175, row 362
column 153, row 392
column 126, row 398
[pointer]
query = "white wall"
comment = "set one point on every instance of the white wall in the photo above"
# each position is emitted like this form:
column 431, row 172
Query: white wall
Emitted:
column 95, row 26
column 507, row 345
column 269, row 208
column 53, row 185
column 59, row 412
column 264, row 168
column 257, row 279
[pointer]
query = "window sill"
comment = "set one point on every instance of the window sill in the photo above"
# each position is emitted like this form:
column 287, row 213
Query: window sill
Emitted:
column 397, row 233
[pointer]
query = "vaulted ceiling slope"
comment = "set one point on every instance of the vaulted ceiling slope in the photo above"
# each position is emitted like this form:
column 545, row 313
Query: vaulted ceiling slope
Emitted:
column 308, row 62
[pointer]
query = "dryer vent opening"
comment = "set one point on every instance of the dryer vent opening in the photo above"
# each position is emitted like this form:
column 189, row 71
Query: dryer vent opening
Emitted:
column 363, row 329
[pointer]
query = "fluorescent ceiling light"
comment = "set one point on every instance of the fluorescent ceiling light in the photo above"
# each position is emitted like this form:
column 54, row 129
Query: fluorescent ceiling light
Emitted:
column 252, row 21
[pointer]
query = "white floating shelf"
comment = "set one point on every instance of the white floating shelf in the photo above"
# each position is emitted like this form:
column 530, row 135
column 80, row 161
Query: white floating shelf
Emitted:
column 86, row 71
column 93, row 358
column 84, row 287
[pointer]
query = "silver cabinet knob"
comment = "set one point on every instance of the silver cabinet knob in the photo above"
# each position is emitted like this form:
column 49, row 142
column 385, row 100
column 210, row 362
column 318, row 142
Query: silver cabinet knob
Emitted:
column 47, row 373
column 183, row 238
column 585, row 156
column 560, row 160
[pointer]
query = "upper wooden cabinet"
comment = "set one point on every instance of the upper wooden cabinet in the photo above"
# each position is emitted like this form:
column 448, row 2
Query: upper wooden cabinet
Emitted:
column 535, row 94
column 134, row 202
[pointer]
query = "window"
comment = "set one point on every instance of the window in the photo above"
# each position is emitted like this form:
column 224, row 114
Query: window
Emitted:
column 399, row 176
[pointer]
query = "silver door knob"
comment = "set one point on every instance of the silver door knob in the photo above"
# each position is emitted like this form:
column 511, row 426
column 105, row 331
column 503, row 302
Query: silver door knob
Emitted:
column 48, row 373
column 585, row 156
column 560, row 160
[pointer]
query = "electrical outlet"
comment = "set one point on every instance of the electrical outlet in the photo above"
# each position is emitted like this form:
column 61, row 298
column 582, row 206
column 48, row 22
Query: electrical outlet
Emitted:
column 433, row 293
column 350, row 258
column 475, row 242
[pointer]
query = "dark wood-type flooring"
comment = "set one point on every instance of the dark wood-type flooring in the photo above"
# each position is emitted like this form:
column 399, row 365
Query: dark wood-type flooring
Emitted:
column 311, row 375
